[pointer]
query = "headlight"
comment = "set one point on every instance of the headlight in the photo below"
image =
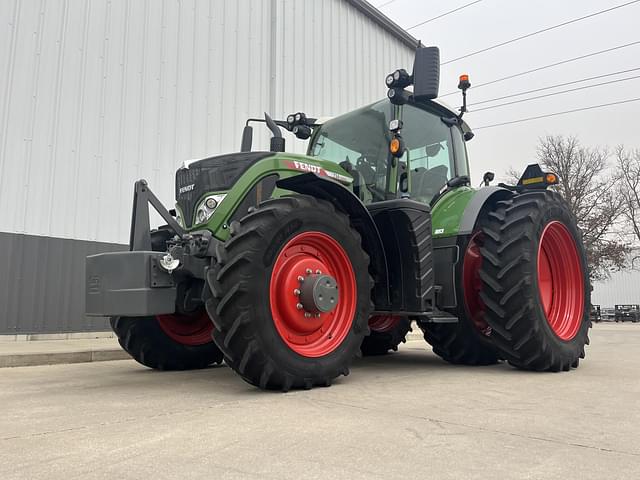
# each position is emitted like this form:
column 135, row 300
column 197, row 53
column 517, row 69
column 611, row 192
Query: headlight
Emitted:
column 207, row 207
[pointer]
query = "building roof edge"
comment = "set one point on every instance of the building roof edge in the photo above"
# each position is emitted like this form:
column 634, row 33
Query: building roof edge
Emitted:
column 385, row 22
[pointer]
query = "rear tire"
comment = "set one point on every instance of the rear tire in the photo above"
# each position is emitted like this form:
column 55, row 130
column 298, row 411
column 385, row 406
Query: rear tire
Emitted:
column 535, row 282
column 147, row 341
column 386, row 334
column 266, row 337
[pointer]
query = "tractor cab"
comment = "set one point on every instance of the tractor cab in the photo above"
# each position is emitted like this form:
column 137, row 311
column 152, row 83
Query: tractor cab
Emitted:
column 359, row 142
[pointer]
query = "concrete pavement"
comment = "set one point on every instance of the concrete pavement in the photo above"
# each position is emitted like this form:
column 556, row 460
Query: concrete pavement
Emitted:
column 50, row 352
column 80, row 348
column 408, row 415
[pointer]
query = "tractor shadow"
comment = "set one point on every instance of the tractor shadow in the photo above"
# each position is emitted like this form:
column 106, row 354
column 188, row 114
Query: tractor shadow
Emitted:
column 411, row 358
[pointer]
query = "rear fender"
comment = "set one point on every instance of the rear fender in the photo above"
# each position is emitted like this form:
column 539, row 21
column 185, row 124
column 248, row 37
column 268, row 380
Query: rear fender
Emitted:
column 449, row 250
column 482, row 197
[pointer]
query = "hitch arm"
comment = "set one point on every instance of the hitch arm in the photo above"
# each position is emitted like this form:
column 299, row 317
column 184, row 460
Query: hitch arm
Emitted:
column 140, row 236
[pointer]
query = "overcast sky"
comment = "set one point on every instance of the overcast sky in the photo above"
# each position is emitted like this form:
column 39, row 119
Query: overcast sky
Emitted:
column 493, row 21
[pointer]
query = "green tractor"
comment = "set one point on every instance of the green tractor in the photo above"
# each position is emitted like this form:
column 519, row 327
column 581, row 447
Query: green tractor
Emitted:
column 288, row 266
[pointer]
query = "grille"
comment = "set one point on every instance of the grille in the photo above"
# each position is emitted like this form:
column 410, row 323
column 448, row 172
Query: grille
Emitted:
column 215, row 174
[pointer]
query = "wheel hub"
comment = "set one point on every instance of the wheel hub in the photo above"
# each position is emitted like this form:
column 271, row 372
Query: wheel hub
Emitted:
column 318, row 293
column 310, row 314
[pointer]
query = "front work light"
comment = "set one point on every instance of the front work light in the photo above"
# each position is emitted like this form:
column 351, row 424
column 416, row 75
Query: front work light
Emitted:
column 398, row 79
column 395, row 125
column 398, row 96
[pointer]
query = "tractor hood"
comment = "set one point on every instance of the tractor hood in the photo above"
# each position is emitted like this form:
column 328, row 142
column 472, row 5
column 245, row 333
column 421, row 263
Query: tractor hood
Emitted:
column 214, row 174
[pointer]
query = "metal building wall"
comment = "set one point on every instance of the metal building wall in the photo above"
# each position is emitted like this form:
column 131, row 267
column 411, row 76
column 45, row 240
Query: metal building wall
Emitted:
column 95, row 94
column 622, row 288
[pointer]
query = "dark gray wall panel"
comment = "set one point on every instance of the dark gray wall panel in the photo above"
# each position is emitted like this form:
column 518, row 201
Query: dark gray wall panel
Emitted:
column 42, row 284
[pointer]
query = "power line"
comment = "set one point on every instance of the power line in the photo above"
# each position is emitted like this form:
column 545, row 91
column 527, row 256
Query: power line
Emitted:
column 556, row 86
column 553, row 94
column 442, row 15
column 537, row 32
column 386, row 3
column 630, row 100
column 544, row 67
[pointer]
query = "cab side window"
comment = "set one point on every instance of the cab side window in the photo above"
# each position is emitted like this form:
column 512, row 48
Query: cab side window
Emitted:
column 430, row 152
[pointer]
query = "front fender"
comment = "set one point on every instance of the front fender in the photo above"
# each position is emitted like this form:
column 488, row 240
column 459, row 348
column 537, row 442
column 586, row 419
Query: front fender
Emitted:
column 344, row 199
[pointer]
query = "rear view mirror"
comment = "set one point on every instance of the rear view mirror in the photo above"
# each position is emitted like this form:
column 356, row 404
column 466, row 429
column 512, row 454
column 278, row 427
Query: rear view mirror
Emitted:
column 247, row 139
column 426, row 73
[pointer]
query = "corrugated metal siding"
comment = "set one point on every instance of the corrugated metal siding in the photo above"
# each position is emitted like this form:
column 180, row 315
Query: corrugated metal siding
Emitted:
column 96, row 94
column 42, row 284
column 99, row 93
column 620, row 289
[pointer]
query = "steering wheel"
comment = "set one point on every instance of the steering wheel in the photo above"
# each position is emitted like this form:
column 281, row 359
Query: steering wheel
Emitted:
column 365, row 167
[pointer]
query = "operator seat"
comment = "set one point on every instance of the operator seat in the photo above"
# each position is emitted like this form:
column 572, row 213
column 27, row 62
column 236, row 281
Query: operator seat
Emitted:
column 425, row 184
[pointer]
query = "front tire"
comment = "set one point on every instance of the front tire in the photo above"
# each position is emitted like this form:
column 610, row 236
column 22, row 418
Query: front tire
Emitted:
column 535, row 282
column 168, row 342
column 264, row 285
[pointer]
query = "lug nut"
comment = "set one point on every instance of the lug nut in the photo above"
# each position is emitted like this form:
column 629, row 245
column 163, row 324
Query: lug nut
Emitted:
column 301, row 279
column 296, row 291
column 317, row 315
column 309, row 271
column 319, row 272
column 307, row 315
column 299, row 306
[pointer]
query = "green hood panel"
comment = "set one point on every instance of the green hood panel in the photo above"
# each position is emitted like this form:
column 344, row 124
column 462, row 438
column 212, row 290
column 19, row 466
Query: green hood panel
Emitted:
column 282, row 164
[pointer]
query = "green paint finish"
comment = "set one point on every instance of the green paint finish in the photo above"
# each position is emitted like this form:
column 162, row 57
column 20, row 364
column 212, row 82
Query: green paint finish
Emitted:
column 284, row 165
column 447, row 213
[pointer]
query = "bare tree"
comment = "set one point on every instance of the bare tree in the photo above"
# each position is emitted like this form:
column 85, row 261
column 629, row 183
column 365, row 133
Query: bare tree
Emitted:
column 591, row 192
column 628, row 174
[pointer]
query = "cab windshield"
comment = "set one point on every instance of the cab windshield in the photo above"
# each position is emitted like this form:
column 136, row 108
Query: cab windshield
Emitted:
column 359, row 142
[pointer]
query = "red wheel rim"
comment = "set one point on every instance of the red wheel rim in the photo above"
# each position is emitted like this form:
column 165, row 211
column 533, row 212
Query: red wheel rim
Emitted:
column 321, row 333
column 190, row 330
column 383, row 323
column 472, row 285
column 560, row 280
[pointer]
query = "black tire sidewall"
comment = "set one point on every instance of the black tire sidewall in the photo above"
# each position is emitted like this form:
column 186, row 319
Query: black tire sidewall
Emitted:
column 148, row 344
